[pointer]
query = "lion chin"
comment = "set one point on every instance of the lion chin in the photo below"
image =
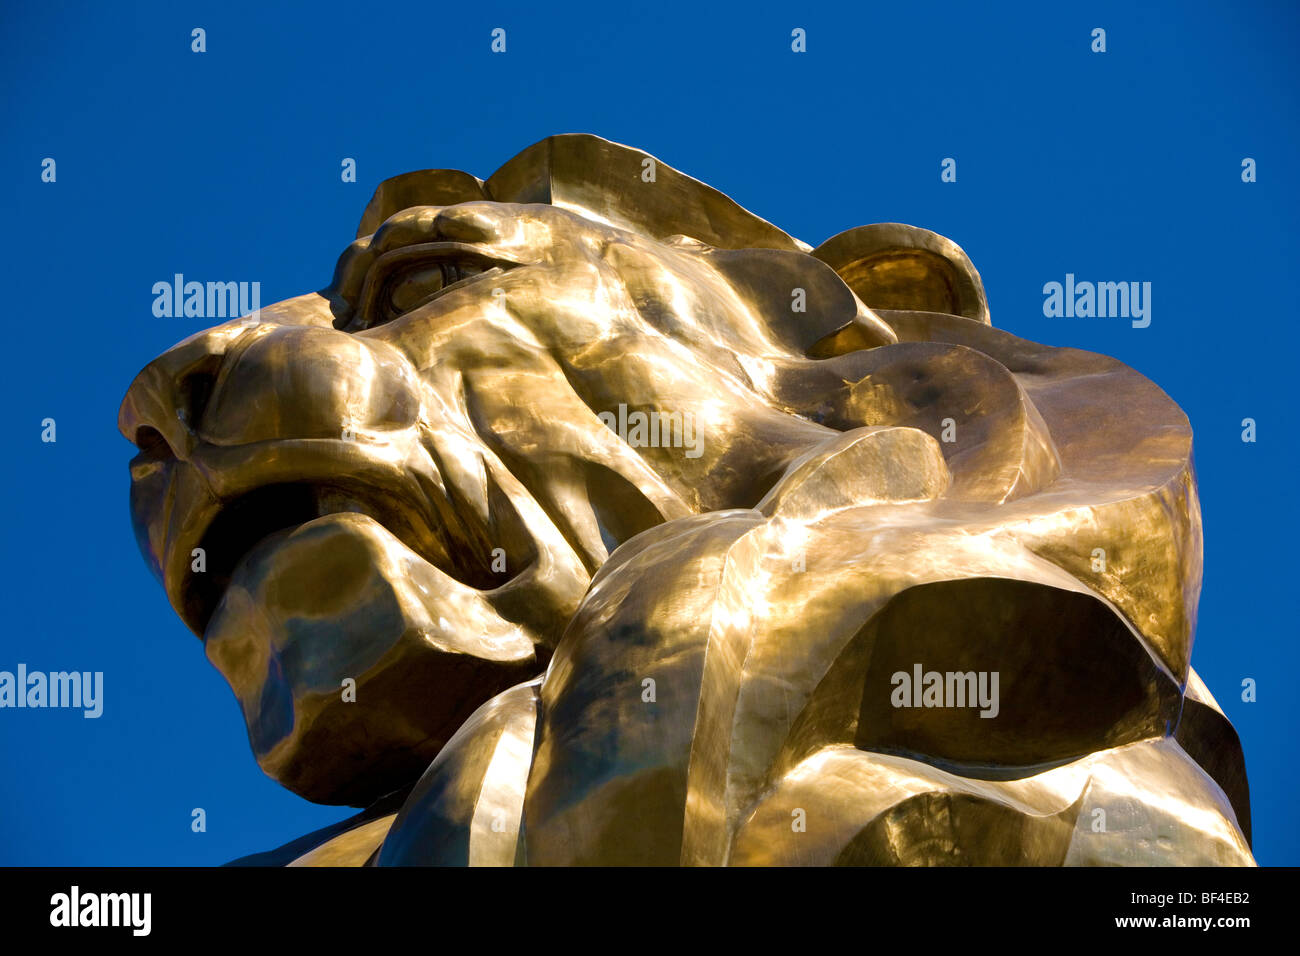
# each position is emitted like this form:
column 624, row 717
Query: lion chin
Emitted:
column 585, row 517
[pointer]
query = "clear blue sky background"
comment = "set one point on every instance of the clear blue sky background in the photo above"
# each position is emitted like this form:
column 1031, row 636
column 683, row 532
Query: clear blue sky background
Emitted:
column 225, row 165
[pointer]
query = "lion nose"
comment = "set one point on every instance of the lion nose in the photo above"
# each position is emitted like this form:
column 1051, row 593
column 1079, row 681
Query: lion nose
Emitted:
column 168, row 397
column 309, row 382
column 232, row 386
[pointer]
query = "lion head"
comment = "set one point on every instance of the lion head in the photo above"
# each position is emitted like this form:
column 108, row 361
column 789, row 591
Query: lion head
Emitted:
column 383, row 504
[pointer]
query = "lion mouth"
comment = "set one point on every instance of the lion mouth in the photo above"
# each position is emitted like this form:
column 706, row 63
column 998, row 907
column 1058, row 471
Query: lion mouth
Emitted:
column 243, row 523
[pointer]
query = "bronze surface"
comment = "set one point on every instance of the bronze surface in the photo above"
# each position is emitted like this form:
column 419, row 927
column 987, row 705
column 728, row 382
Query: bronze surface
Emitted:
column 582, row 638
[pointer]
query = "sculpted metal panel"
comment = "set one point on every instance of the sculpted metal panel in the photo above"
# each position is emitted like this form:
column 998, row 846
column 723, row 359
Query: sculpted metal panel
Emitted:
column 603, row 522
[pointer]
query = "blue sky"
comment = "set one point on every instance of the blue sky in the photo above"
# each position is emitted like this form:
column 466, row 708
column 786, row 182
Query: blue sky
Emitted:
column 225, row 165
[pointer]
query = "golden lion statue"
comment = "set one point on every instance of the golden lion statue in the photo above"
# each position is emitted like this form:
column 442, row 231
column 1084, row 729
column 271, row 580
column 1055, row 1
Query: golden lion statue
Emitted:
column 587, row 518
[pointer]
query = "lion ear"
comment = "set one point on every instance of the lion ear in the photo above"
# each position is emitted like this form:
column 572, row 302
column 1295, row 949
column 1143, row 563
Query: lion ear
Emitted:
column 801, row 300
column 893, row 266
column 424, row 187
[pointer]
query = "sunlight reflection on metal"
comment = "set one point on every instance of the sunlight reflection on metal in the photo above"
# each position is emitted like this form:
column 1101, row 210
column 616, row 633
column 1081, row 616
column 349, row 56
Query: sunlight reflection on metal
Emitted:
column 822, row 473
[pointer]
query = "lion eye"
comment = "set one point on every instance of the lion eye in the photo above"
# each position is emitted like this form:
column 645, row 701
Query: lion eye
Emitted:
column 408, row 290
column 408, row 278
column 411, row 289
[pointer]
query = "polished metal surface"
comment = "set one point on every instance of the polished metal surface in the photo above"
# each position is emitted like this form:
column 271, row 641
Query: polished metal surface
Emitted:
column 617, row 524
